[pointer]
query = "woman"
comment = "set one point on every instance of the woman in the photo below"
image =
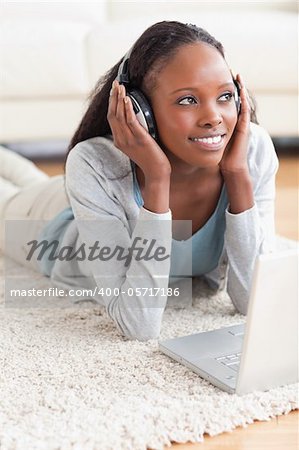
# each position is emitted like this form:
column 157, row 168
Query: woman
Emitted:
column 200, row 163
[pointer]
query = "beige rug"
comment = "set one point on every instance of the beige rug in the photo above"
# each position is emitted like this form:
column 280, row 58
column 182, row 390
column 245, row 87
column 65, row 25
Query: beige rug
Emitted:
column 69, row 381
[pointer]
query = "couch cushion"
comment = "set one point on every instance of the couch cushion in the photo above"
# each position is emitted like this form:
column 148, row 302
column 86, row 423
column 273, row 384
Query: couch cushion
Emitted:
column 126, row 10
column 33, row 120
column 43, row 58
column 89, row 12
column 262, row 45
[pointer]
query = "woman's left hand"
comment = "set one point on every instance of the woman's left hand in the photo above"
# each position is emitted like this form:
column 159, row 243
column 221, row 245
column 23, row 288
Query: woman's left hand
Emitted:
column 234, row 159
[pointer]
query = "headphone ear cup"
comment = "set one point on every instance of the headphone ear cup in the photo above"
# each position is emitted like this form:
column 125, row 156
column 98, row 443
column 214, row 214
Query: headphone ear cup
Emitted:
column 143, row 111
column 237, row 96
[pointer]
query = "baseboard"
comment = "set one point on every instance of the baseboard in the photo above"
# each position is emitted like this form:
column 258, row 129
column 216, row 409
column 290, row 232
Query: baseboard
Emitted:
column 51, row 150
column 286, row 145
column 56, row 149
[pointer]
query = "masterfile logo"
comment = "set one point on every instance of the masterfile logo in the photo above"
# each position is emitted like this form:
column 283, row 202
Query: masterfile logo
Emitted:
column 98, row 252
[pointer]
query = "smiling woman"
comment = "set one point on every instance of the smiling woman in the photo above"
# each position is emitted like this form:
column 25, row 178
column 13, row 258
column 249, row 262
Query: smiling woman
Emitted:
column 168, row 153
column 202, row 113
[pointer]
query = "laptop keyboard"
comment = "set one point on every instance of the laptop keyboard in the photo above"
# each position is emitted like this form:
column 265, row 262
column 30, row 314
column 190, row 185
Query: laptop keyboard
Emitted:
column 232, row 361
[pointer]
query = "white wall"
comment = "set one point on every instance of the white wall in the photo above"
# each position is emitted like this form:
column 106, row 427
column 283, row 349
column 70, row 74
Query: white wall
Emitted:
column 52, row 54
column 123, row 10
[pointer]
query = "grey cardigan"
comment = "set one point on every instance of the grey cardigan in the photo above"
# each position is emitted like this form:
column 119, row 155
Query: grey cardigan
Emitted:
column 99, row 184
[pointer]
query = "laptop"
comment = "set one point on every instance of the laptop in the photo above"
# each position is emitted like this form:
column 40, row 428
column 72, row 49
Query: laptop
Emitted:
column 261, row 354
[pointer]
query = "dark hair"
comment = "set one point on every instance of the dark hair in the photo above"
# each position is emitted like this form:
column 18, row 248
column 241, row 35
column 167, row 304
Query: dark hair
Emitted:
column 150, row 53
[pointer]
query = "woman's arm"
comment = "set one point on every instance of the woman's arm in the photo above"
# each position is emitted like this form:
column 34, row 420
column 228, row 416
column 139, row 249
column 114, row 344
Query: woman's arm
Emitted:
column 248, row 166
column 252, row 232
column 234, row 162
column 141, row 285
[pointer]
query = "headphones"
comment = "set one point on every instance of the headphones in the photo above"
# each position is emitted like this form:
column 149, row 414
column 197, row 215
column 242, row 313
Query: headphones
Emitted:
column 237, row 97
column 141, row 105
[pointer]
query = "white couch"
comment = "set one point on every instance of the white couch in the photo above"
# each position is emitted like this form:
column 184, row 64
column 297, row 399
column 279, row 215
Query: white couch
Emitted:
column 52, row 53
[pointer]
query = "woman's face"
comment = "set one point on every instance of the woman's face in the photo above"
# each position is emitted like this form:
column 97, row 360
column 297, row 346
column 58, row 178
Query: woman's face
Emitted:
column 193, row 102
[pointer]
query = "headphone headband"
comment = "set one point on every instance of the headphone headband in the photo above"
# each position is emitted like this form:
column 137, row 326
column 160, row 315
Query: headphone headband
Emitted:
column 140, row 103
column 123, row 73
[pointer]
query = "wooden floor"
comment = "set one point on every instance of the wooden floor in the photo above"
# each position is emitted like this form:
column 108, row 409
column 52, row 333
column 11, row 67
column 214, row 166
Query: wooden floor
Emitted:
column 281, row 433
column 287, row 212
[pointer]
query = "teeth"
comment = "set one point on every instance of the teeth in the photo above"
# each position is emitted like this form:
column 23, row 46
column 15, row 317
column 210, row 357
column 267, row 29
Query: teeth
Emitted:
column 210, row 140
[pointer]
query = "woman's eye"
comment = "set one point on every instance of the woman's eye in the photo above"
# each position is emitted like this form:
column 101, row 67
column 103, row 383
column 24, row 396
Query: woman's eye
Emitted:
column 185, row 101
column 227, row 97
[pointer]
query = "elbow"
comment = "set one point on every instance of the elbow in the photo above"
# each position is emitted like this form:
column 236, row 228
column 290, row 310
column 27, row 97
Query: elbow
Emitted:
column 143, row 337
column 140, row 325
column 240, row 300
column 142, row 334
column 241, row 308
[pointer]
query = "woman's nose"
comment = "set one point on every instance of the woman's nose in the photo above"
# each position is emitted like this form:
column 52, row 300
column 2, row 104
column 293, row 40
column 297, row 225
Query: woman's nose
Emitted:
column 209, row 116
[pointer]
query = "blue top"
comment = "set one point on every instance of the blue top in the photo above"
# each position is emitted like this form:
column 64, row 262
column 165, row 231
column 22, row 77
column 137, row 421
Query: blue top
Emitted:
column 54, row 231
column 201, row 252
column 192, row 257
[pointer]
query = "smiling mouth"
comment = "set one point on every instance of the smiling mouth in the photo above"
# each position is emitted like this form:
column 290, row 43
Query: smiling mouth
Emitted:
column 210, row 143
column 209, row 139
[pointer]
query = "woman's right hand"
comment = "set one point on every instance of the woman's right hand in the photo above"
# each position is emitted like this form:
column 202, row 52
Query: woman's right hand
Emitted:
column 133, row 140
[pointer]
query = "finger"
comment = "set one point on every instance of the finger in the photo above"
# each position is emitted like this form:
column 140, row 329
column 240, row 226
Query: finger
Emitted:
column 113, row 89
column 245, row 100
column 112, row 101
column 120, row 107
column 116, row 114
column 243, row 87
column 130, row 115
column 122, row 131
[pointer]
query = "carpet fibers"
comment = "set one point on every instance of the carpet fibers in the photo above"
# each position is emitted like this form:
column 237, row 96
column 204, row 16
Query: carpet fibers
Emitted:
column 69, row 381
